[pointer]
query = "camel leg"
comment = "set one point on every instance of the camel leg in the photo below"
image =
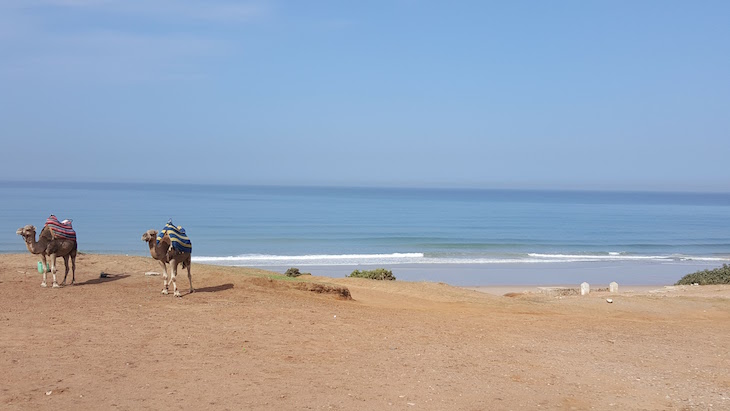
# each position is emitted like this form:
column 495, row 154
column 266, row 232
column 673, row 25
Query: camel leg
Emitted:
column 164, row 277
column 73, row 267
column 65, row 263
column 173, row 269
column 53, row 270
column 190, row 277
column 45, row 269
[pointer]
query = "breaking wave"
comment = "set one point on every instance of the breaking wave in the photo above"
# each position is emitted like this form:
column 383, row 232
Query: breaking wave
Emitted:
column 266, row 260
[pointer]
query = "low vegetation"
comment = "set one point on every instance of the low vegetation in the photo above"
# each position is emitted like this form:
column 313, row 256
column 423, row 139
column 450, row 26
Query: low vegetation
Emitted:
column 720, row 275
column 377, row 274
column 294, row 272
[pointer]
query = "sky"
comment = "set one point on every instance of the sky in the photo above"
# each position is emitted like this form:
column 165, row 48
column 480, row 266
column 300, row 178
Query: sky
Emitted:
column 630, row 95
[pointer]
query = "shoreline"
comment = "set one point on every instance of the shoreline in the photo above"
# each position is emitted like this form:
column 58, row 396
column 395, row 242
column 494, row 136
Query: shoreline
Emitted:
column 597, row 274
column 500, row 290
column 506, row 275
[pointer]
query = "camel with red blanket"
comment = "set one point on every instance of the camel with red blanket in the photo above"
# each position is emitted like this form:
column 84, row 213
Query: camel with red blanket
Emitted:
column 55, row 240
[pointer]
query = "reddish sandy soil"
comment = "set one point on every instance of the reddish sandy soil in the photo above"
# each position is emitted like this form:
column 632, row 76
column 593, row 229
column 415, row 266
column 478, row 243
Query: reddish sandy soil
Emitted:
column 246, row 341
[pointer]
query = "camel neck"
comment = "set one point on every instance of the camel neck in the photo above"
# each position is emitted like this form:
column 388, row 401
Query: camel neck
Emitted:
column 35, row 247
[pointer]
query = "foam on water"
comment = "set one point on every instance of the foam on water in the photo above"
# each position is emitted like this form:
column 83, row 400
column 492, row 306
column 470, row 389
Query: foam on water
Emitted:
column 613, row 256
column 263, row 260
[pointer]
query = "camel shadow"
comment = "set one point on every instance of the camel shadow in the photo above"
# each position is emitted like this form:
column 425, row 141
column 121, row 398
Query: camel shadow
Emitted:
column 104, row 278
column 214, row 289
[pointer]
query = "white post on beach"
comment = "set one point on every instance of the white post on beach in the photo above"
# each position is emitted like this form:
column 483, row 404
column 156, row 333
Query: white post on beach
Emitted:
column 613, row 287
column 585, row 289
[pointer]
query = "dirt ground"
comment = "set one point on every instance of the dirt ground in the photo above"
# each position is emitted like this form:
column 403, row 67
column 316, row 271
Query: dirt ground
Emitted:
column 246, row 341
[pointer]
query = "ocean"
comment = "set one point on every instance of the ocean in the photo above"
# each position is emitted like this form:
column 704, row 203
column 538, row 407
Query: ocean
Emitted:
column 456, row 236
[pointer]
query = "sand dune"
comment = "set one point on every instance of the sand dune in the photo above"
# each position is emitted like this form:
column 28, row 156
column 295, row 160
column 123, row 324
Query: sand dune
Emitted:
column 250, row 340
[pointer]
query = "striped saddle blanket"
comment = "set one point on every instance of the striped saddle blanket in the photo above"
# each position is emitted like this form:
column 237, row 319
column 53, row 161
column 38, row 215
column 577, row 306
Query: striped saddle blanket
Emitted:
column 180, row 240
column 61, row 229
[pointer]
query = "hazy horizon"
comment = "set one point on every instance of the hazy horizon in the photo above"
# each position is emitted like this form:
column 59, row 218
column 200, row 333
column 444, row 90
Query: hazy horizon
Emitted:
column 653, row 190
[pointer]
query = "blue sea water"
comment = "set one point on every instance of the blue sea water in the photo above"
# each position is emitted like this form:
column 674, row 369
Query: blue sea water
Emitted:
column 412, row 229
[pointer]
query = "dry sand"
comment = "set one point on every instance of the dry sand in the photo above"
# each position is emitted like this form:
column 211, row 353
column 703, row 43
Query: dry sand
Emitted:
column 245, row 341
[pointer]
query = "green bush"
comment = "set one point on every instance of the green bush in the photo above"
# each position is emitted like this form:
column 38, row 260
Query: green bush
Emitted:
column 377, row 274
column 720, row 275
column 294, row 272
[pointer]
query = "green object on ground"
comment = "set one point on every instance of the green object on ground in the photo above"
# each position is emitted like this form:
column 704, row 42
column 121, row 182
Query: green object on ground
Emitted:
column 40, row 267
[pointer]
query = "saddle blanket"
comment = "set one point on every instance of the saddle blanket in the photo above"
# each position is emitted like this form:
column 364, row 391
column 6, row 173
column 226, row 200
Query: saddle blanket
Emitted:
column 61, row 229
column 180, row 241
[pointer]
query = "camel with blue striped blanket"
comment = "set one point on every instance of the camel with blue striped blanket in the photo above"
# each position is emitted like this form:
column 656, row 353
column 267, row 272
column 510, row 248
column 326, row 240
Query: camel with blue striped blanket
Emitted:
column 170, row 245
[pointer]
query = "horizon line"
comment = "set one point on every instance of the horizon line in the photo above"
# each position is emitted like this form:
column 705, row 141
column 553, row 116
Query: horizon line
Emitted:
column 443, row 187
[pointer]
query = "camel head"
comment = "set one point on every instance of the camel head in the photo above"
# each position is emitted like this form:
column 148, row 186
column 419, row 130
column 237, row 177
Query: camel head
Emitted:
column 150, row 235
column 27, row 232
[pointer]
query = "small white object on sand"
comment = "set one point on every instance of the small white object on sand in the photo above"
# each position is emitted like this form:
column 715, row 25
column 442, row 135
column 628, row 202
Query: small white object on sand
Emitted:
column 585, row 289
column 151, row 273
column 608, row 300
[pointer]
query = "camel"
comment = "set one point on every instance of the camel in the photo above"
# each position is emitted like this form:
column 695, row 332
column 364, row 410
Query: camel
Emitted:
column 60, row 247
column 164, row 253
column 47, row 246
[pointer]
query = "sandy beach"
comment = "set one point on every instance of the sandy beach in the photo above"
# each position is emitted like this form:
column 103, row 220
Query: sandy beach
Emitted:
column 248, row 339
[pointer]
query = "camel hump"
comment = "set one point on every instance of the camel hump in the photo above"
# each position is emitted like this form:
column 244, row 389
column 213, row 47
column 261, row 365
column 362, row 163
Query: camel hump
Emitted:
column 60, row 230
column 178, row 238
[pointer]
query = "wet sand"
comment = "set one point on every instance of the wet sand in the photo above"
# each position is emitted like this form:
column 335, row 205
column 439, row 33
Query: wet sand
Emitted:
column 528, row 274
column 536, row 289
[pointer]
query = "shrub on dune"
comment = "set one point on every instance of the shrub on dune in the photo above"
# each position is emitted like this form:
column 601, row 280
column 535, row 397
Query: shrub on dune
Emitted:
column 377, row 274
column 294, row 272
column 720, row 275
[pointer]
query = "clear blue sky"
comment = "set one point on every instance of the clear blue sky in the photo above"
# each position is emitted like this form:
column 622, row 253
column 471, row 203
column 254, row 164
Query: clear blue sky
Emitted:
column 551, row 94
